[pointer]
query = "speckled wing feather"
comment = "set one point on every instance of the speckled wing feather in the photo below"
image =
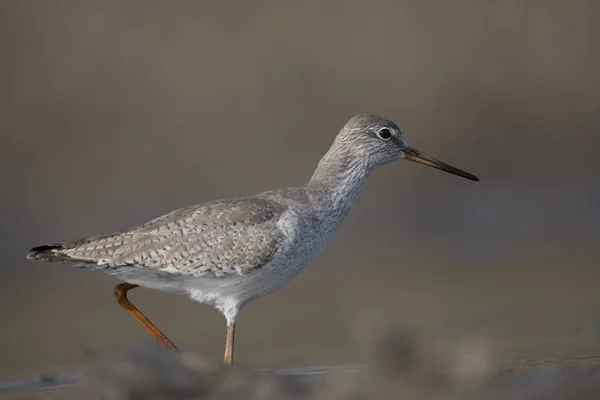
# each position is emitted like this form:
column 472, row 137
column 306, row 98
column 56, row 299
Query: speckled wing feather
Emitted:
column 214, row 239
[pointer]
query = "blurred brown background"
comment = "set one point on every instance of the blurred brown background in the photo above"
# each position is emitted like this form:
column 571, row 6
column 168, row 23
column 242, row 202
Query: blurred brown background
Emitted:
column 116, row 112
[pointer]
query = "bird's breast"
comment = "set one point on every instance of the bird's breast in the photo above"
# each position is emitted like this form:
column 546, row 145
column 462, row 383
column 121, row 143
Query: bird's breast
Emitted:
column 305, row 238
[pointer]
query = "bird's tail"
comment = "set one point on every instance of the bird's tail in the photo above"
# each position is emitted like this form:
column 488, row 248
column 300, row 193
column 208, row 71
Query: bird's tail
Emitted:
column 48, row 252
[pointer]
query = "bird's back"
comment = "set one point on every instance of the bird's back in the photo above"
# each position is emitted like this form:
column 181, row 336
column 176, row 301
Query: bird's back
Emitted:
column 217, row 238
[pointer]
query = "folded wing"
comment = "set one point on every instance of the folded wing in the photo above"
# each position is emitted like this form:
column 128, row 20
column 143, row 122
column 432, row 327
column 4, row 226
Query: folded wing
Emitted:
column 214, row 239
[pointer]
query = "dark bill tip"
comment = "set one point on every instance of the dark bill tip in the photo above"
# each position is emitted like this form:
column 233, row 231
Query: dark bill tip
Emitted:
column 415, row 155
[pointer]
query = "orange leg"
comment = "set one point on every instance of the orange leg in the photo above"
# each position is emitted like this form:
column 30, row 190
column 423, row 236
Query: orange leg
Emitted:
column 228, row 359
column 120, row 292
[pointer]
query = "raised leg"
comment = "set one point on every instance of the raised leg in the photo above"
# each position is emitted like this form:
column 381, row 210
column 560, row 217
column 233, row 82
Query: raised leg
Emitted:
column 228, row 360
column 120, row 292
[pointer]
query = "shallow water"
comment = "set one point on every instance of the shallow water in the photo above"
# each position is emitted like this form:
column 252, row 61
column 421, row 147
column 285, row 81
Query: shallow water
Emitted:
column 531, row 316
column 528, row 373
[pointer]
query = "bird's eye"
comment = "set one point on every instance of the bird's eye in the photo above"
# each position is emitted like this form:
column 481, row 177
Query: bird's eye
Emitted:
column 384, row 133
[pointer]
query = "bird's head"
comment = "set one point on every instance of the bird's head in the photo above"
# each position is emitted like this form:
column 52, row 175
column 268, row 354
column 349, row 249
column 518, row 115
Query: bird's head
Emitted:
column 379, row 141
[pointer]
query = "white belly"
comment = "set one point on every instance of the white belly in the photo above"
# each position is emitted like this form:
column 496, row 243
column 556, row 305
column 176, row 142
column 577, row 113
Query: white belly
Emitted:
column 230, row 293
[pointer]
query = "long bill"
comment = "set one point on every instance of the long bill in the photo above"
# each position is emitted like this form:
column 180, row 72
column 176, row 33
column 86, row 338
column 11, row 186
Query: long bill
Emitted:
column 422, row 158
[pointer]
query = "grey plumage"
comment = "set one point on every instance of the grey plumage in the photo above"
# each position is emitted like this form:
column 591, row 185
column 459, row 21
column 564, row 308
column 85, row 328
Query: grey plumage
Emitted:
column 228, row 252
column 213, row 239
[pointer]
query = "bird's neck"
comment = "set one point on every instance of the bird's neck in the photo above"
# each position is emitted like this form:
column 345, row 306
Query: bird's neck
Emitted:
column 337, row 182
